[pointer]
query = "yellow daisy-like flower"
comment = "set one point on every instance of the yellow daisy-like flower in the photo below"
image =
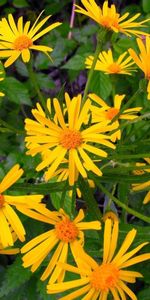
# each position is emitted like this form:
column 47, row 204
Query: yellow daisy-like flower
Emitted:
column 29, row 205
column 142, row 60
column 99, row 280
column 106, row 112
column 67, row 139
column 18, row 39
column 9, row 251
column 108, row 65
column 66, row 234
column 141, row 186
column 109, row 18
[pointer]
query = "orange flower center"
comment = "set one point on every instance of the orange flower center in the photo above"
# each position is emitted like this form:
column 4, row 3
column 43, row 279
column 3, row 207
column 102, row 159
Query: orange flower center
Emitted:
column 22, row 42
column 114, row 68
column 109, row 22
column 70, row 139
column 66, row 230
column 111, row 113
column 104, row 277
column 2, row 200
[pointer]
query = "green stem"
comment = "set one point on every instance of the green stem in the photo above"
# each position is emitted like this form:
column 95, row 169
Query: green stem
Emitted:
column 35, row 84
column 73, row 199
column 63, row 195
column 110, row 200
column 100, row 39
column 132, row 99
column 124, row 206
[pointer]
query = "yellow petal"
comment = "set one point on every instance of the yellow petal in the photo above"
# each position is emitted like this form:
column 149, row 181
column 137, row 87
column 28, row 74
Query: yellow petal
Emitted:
column 10, row 178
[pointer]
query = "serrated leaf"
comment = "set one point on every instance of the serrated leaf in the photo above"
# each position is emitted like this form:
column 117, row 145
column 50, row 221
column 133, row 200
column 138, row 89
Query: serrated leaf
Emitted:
column 15, row 276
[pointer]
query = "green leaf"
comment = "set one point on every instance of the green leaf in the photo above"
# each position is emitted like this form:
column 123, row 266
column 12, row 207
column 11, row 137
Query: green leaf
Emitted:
column 123, row 189
column 44, row 81
column 43, row 188
column 20, row 3
column 15, row 276
column 15, row 91
column 146, row 6
column 143, row 233
column 100, row 84
column 89, row 199
column 144, row 294
column 77, row 62
column 41, row 287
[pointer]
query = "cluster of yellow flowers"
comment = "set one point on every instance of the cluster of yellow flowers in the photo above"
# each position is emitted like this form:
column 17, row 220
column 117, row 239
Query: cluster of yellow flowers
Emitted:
column 97, row 280
column 73, row 142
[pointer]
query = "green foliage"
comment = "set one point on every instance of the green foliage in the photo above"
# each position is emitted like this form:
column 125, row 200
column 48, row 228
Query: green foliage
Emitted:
column 146, row 6
column 20, row 3
column 14, row 278
column 15, row 91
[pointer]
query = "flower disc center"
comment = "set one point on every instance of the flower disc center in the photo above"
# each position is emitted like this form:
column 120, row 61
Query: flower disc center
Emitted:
column 114, row 68
column 66, row 230
column 111, row 113
column 22, row 42
column 70, row 139
column 105, row 277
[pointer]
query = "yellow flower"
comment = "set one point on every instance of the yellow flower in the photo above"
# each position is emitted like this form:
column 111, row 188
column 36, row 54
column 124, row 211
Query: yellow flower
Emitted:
column 108, row 65
column 29, row 205
column 109, row 18
column 66, row 234
column 106, row 112
column 99, row 280
column 141, row 186
column 67, row 139
column 9, row 251
column 110, row 215
column 18, row 39
column 143, row 61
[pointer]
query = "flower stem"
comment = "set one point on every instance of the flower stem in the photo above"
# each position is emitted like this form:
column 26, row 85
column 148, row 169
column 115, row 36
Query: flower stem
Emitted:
column 124, row 206
column 100, row 38
column 33, row 80
column 72, row 19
